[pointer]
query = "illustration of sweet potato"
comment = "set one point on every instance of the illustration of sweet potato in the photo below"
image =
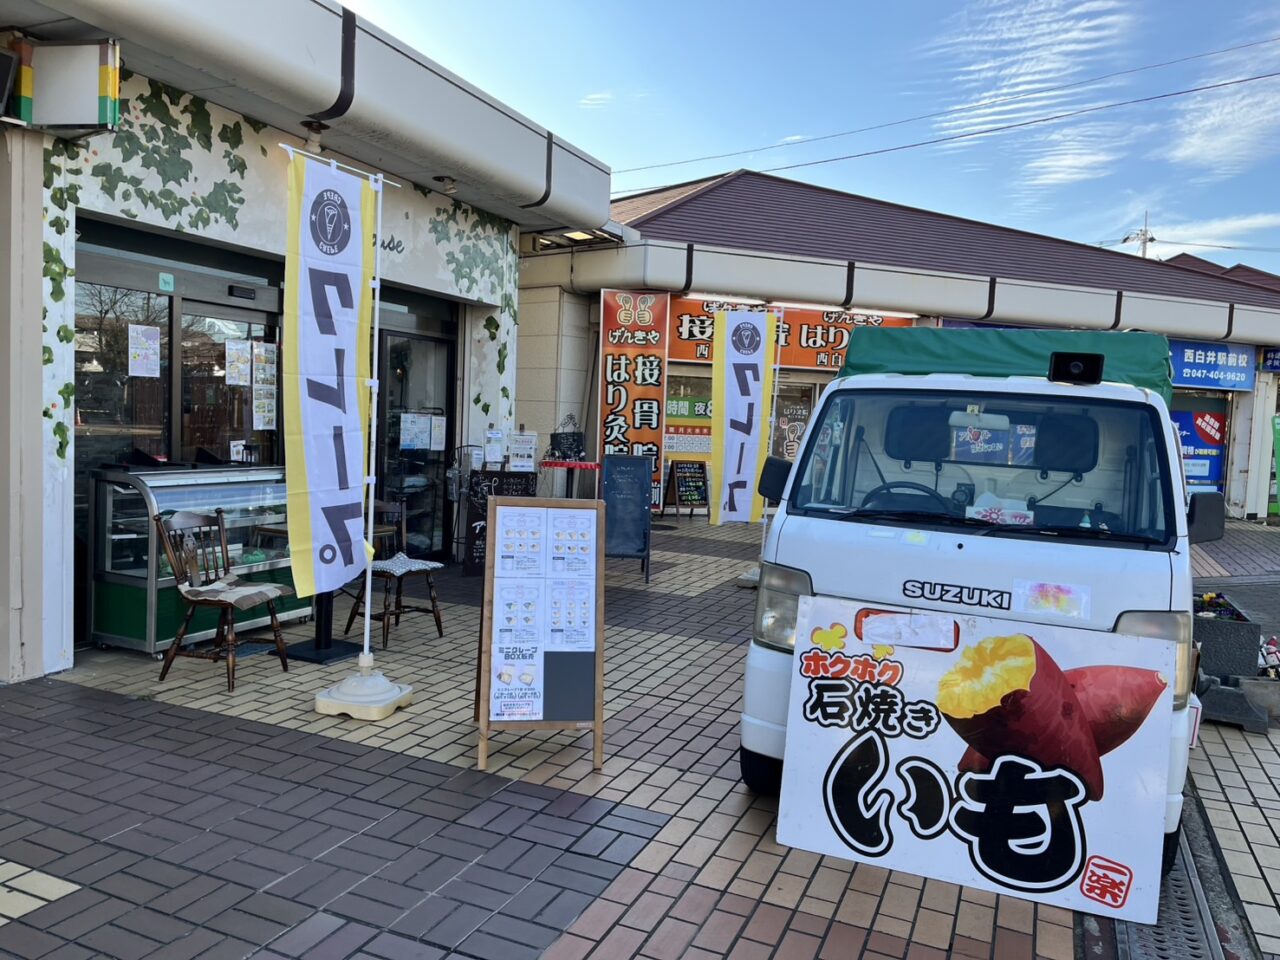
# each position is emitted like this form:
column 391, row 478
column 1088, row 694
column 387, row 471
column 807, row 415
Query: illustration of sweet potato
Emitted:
column 1008, row 696
column 1115, row 701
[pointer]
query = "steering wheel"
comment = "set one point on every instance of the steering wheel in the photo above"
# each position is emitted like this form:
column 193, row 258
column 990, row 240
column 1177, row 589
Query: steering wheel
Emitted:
column 908, row 485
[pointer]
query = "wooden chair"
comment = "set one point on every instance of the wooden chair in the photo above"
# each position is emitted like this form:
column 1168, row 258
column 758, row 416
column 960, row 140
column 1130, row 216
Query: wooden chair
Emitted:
column 196, row 545
column 395, row 570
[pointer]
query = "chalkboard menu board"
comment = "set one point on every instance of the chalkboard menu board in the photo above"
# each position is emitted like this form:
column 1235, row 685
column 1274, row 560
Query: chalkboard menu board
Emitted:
column 482, row 485
column 686, row 485
column 541, row 664
column 628, row 494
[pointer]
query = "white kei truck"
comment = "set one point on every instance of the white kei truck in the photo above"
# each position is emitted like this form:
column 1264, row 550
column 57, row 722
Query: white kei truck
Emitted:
column 956, row 432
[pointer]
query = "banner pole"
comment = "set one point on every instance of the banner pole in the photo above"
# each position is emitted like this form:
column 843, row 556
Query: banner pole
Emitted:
column 773, row 417
column 372, row 480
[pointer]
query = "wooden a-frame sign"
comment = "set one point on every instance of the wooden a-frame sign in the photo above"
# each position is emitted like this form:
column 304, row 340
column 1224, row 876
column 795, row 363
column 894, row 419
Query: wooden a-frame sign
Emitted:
column 572, row 681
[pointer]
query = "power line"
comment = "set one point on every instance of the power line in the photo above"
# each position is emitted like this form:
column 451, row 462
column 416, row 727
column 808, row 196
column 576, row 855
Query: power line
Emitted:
column 950, row 111
column 1002, row 128
column 1189, row 243
column 1218, row 246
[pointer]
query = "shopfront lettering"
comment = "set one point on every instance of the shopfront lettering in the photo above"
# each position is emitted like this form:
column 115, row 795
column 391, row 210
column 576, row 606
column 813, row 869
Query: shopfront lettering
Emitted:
column 391, row 244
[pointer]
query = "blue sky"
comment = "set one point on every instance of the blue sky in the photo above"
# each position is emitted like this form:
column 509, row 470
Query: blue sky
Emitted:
column 639, row 84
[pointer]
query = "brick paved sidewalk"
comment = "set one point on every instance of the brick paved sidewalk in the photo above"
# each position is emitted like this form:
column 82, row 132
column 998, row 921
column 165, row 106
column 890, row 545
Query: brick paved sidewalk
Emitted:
column 326, row 837
column 1237, row 774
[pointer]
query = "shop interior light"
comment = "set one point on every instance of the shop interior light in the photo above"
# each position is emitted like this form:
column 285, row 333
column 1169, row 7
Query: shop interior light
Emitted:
column 580, row 235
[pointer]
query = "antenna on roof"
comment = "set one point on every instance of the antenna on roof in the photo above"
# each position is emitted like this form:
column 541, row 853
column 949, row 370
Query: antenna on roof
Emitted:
column 1143, row 236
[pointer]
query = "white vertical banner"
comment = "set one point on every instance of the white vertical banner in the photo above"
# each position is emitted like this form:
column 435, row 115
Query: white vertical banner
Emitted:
column 329, row 271
column 741, row 391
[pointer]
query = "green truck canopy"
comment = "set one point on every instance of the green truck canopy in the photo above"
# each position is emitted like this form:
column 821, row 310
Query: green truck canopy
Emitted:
column 1140, row 359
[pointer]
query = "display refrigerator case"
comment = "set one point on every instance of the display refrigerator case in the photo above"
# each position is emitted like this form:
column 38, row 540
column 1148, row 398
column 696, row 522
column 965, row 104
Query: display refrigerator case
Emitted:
column 133, row 600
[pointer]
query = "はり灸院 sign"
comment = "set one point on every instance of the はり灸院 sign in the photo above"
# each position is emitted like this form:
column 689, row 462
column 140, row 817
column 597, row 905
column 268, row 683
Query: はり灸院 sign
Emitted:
column 1020, row 758
column 633, row 375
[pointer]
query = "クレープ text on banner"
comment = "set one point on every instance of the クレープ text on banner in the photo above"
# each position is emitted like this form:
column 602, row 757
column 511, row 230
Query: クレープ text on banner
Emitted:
column 329, row 268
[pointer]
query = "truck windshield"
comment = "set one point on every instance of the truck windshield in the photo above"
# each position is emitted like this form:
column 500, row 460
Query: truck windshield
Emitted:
column 1002, row 464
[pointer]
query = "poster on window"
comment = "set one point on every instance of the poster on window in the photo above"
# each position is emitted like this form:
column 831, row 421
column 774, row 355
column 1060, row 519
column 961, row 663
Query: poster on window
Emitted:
column 741, row 392
column 633, row 376
column 264, row 408
column 1203, row 436
column 239, row 363
column 791, row 417
column 415, row 431
column 329, row 273
column 264, row 364
column 1019, row 758
column 144, row 350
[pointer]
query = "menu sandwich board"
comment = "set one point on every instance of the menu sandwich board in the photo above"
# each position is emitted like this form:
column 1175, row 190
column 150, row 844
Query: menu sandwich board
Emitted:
column 542, row 627
column 686, row 485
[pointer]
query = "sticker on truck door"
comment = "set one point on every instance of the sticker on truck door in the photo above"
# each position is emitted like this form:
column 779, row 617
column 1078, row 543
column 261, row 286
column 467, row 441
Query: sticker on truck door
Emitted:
column 1027, row 759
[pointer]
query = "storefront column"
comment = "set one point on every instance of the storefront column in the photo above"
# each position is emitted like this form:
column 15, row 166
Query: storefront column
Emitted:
column 21, row 422
column 1261, row 448
column 488, row 359
column 1241, row 429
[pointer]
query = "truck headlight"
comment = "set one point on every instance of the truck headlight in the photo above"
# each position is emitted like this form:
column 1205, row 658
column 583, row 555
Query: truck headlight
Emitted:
column 777, row 602
column 1168, row 625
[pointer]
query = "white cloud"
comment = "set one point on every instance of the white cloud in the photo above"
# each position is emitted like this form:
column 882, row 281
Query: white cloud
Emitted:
column 794, row 138
column 1225, row 132
column 999, row 57
column 594, row 101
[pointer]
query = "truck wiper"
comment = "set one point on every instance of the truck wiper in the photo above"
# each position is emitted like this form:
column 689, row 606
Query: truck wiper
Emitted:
column 926, row 516
column 1084, row 533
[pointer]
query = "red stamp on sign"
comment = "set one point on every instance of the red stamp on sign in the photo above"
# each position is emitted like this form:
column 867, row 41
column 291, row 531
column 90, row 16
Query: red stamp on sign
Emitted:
column 1106, row 881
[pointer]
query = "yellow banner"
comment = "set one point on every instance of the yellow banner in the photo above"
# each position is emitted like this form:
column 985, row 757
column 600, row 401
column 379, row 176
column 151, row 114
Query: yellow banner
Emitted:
column 741, row 399
column 329, row 270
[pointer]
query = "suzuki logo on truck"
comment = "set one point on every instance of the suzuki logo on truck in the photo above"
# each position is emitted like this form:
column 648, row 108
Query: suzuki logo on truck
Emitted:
column 957, row 593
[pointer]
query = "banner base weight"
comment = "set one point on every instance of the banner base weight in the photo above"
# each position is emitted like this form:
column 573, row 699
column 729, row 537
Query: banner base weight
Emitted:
column 366, row 695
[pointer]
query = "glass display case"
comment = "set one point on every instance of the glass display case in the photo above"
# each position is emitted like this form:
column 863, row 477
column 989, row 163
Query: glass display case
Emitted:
column 133, row 601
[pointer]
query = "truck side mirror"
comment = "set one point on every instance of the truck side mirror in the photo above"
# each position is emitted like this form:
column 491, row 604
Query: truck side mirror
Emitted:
column 773, row 478
column 1206, row 517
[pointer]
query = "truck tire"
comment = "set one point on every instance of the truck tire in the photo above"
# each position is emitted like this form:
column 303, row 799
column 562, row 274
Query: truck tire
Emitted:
column 762, row 775
column 1170, row 851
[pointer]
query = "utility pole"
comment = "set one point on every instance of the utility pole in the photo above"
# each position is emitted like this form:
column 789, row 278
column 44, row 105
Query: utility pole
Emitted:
column 1143, row 236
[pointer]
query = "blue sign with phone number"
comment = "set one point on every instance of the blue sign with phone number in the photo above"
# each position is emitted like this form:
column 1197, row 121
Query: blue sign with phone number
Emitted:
column 1212, row 366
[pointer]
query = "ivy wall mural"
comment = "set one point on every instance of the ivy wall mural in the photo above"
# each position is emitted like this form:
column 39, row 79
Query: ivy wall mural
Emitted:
column 180, row 163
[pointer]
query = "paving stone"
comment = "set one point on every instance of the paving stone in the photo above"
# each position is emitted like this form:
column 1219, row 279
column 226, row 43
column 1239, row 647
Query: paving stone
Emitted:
column 26, row 941
column 78, row 924
column 488, row 947
column 153, row 925
column 307, row 934
column 388, row 946
column 116, row 942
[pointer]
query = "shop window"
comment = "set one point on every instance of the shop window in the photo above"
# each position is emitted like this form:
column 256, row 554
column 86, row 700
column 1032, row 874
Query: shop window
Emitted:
column 122, row 377
column 688, row 396
column 793, row 408
column 230, row 407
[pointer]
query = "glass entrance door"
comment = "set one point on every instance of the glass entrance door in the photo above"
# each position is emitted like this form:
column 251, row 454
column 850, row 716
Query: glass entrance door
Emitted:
column 415, row 435
column 230, row 365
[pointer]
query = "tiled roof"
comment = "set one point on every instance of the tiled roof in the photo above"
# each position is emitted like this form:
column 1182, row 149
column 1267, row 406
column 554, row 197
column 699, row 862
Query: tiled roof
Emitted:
column 755, row 211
